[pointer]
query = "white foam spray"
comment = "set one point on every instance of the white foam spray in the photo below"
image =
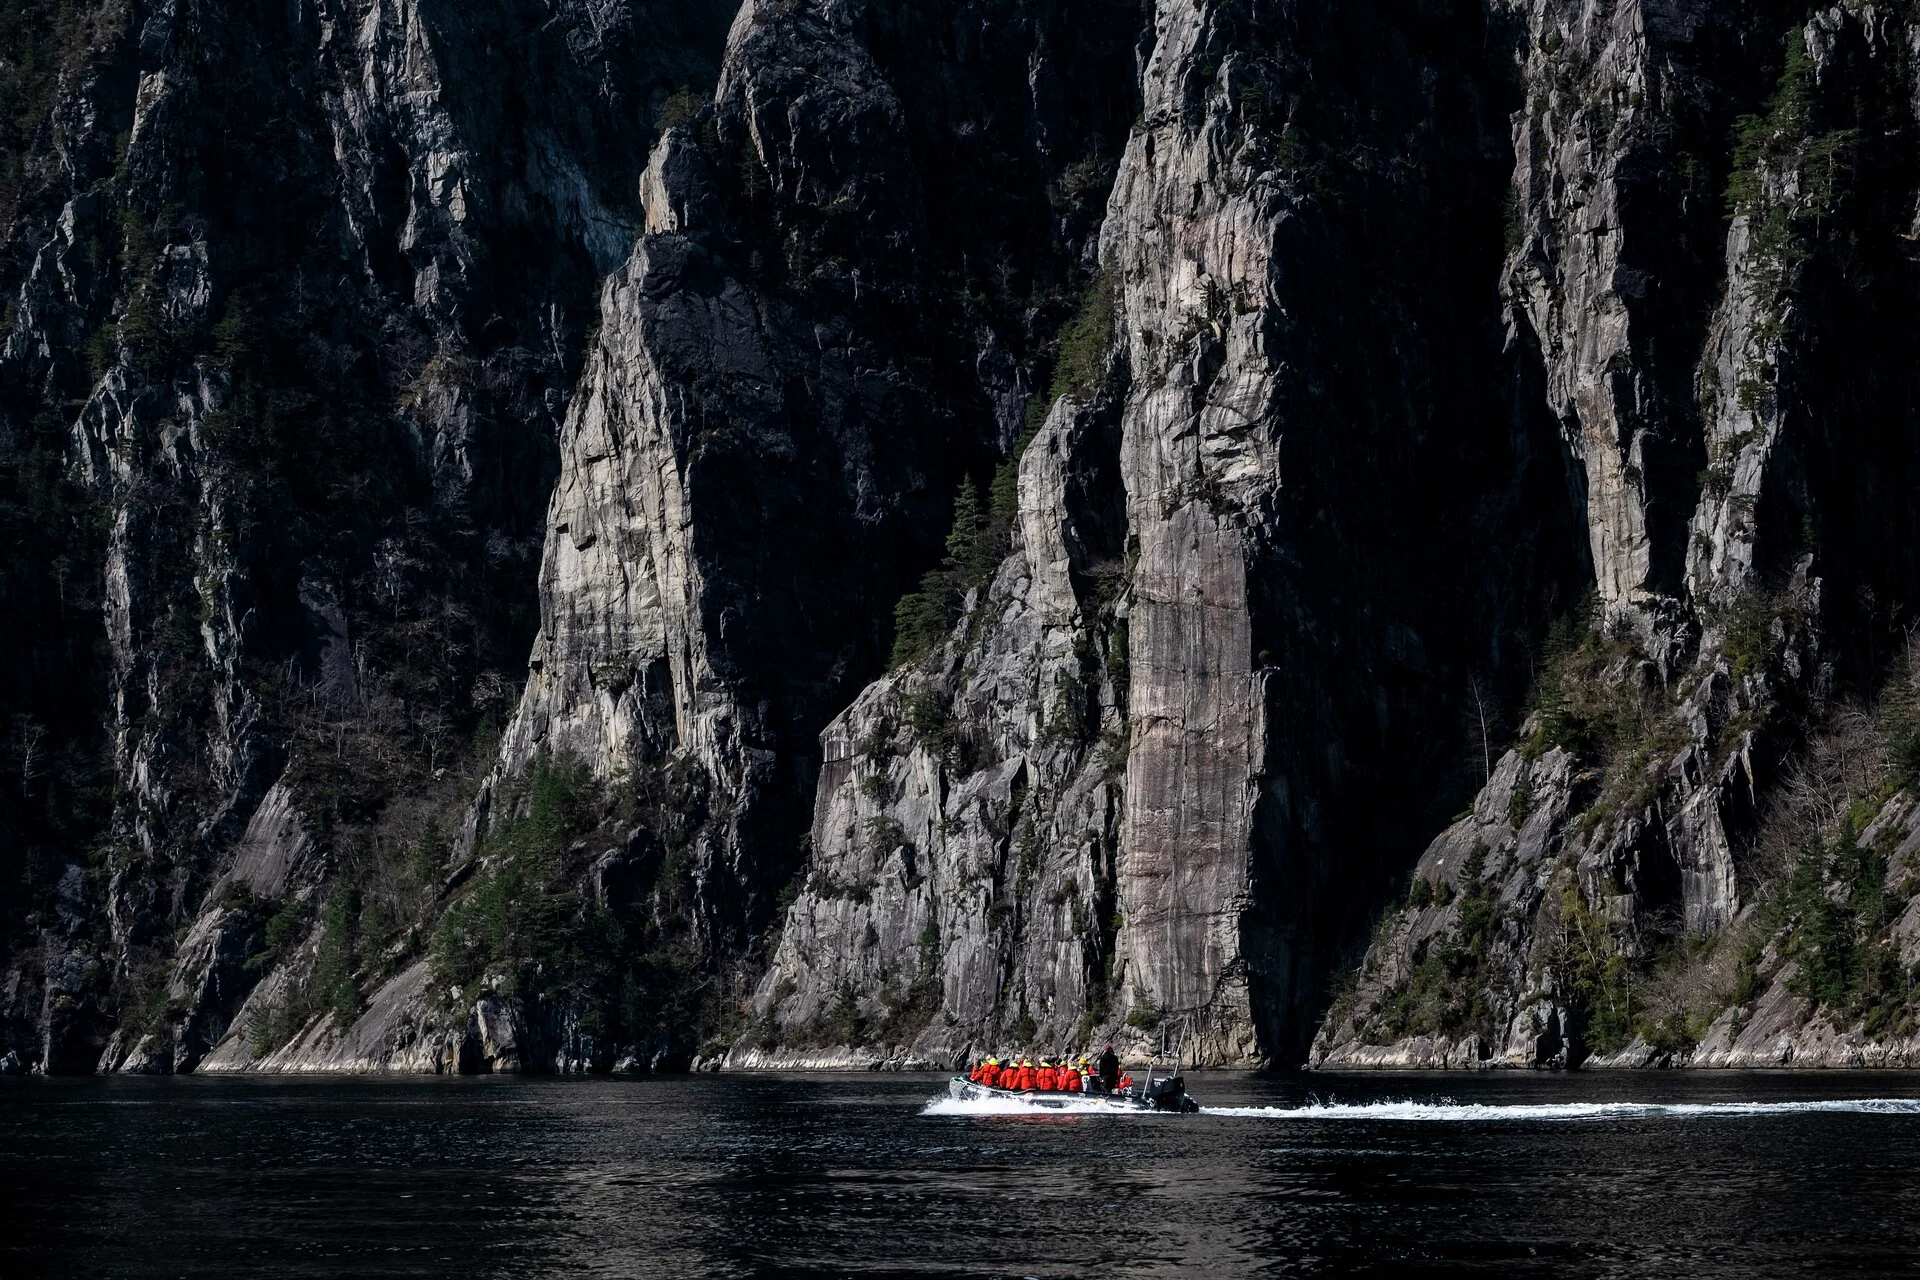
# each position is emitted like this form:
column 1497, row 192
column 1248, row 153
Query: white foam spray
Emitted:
column 1447, row 1110
column 1056, row 1105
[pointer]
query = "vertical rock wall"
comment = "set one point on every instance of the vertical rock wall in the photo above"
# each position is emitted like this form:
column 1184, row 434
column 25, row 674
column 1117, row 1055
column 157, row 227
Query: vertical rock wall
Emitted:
column 297, row 295
column 818, row 336
column 1319, row 354
column 1307, row 370
column 1623, row 843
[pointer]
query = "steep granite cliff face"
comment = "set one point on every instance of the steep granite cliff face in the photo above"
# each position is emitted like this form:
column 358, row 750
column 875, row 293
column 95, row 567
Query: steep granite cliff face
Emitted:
column 792, row 375
column 1687, row 858
column 606, row 536
column 1171, row 752
column 963, row 873
column 295, row 302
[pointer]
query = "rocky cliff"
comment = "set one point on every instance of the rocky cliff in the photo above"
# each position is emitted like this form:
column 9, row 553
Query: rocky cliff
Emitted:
column 1171, row 751
column 1695, row 853
column 587, row 536
column 296, row 299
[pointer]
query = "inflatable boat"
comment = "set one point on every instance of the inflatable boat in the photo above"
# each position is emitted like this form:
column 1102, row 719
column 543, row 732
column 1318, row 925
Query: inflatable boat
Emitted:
column 1156, row 1093
column 1162, row 1090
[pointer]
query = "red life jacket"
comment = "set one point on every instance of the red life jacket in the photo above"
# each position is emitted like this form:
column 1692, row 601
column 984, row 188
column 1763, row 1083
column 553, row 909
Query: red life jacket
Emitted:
column 1024, row 1079
column 1044, row 1079
column 989, row 1075
column 1073, row 1081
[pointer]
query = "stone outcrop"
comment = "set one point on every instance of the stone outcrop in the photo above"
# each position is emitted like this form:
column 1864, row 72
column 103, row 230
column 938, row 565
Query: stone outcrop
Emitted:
column 963, row 866
column 1725, row 639
column 785, row 394
column 1206, row 872
column 298, row 295
column 467, row 472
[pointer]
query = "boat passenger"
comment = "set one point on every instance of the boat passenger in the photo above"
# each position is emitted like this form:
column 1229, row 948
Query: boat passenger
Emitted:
column 1024, row 1078
column 1043, row 1079
column 1109, row 1070
column 1070, row 1080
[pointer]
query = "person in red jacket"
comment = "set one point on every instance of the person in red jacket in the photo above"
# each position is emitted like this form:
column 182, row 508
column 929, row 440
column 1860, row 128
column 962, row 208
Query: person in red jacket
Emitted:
column 1043, row 1078
column 990, row 1073
column 1072, row 1082
column 1024, row 1079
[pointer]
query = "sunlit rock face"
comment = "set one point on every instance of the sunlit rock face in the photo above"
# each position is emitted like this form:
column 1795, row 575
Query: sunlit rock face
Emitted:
column 1741, row 428
column 1330, row 507
column 835, row 532
column 297, row 298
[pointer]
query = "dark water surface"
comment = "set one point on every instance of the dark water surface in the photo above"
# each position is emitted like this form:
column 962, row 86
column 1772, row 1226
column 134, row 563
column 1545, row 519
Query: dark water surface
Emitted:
column 844, row 1175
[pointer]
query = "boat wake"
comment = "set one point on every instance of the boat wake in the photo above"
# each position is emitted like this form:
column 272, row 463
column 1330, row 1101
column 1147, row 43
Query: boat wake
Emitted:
column 1445, row 1110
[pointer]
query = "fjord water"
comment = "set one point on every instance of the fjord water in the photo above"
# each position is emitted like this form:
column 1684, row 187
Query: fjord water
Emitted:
column 1581, row 1175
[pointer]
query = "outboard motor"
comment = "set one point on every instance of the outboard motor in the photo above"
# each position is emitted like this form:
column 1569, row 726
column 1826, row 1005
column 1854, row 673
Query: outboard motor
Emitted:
column 1167, row 1093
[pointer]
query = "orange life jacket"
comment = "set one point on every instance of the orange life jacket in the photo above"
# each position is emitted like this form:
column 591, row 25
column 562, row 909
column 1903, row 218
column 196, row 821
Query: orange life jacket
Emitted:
column 1044, row 1079
column 990, row 1075
column 1072, row 1084
column 1024, row 1079
column 1126, row 1082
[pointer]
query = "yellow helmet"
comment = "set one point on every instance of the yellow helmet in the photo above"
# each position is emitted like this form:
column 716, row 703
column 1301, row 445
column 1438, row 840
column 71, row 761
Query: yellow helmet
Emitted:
column 993, row 1062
